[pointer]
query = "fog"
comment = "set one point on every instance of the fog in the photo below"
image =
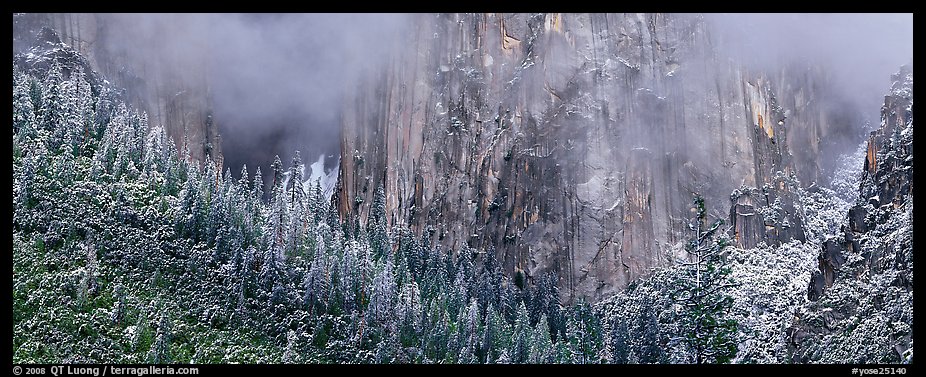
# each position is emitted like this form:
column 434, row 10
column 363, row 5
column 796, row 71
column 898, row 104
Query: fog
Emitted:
column 276, row 80
column 859, row 51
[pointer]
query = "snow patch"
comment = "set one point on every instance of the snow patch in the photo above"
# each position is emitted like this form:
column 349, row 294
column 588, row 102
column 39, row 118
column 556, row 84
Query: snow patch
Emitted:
column 327, row 180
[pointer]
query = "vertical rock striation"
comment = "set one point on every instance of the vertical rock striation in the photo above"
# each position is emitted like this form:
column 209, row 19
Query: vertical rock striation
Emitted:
column 861, row 296
column 574, row 143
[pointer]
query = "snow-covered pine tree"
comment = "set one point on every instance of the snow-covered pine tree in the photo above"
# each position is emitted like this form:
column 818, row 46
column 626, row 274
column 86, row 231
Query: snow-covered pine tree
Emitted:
column 541, row 351
column 160, row 349
column 316, row 281
column 279, row 211
column 51, row 110
column 410, row 249
column 380, row 311
column 118, row 312
column 298, row 209
column 521, row 336
column 376, row 224
column 23, row 109
column 469, row 333
column 317, row 206
column 703, row 302
column 257, row 190
column 191, row 203
column 409, row 311
column 290, row 355
column 493, row 332
column 213, row 202
column 349, row 280
column 618, row 340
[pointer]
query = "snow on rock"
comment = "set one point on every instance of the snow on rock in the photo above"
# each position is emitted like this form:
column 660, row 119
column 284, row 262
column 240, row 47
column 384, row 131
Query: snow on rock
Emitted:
column 327, row 180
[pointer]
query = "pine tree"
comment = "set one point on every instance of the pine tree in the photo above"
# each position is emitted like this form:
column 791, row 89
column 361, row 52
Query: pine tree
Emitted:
column 86, row 105
column 243, row 182
column 647, row 347
column 155, row 154
column 316, row 281
column 175, row 173
column 377, row 223
column 257, row 191
column 118, row 313
column 277, row 169
column 541, row 351
column 441, row 333
column 70, row 123
column 489, row 280
column 191, row 205
column 703, row 300
column 214, row 205
column 160, row 349
column 299, row 209
column 544, row 301
column 316, row 205
column 349, row 278
column 469, row 333
column 24, row 181
column 290, row 356
column 52, row 101
column 563, row 352
column 141, row 326
column 521, row 337
column 23, row 109
column 272, row 274
column 458, row 296
column 493, row 333
column 382, row 298
column 76, row 108
column 386, row 348
column 588, row 325
column 409, row 311
column 410, row 249
column 618, row 341
column 279, row 211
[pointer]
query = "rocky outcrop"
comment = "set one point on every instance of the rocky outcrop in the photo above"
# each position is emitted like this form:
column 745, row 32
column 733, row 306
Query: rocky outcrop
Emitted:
column 766, row 215
column 176, row 99
column 861, row 308
column 887, row 182
column 888, row 175
column 574, row 143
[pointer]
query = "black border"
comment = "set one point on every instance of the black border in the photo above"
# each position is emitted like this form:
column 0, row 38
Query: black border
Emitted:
column 493, row 6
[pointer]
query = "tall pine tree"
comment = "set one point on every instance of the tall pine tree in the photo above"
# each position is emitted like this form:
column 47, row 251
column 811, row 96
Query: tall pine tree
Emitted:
column 377, row 224
column 702, row 296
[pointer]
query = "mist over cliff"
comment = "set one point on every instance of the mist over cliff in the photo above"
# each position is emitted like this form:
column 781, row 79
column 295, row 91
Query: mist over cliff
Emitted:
column 574, row 143
column 277, row 82
column 858, row 50
column 501, row 188
column 273, row 83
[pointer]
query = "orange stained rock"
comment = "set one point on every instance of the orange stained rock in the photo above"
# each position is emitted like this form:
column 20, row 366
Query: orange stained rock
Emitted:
column 555, row 22
column 872, row 156
column 770, row 130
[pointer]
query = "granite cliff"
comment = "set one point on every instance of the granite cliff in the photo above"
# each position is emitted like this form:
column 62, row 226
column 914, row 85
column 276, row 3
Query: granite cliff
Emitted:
column 574, row 143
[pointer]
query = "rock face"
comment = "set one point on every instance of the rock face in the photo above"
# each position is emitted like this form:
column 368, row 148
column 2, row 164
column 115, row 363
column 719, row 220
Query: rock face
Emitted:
column 862, row 294
column 574, row 143
column 887, row 182
column 888, row 176
column 177, row 99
